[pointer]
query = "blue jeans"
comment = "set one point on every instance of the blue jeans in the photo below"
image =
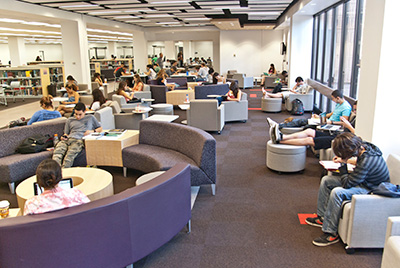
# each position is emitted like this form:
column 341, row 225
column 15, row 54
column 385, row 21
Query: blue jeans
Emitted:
column 331, row 195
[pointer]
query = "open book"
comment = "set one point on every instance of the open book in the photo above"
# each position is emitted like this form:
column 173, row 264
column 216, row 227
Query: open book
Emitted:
column 332, row 166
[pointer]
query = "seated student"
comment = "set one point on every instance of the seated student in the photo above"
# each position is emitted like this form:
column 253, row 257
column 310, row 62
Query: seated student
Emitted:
column 48, row 175
column 47, row 112
column 120, row 71
column 162, row 80
column 234, row 94
column 309, row 136
column 150, row 72
column 97, row 78
column 218, row 79
column 138, row 83
column 210, row 75
column 71, row 80
column 370, row 170
column 299, row 88
column 156, row 67
column 73, row 98
column 98, row 100
column 122, row 88
column 71, row 143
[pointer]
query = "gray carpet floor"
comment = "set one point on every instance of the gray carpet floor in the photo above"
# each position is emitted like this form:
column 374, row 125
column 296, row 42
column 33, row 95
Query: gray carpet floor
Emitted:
column 252, row 220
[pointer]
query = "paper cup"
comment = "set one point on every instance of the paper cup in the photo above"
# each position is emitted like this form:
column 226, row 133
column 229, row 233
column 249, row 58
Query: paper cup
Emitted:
column 4, row 208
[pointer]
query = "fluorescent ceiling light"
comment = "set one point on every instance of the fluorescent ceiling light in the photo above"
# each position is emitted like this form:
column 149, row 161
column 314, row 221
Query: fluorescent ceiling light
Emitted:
column 109, row 32
column 157, row 16
column 167, row 2
column 26, row 30
column 105, row 12
column 29, row 22
column 171, row 22
column 196, row 19
column 79, row 6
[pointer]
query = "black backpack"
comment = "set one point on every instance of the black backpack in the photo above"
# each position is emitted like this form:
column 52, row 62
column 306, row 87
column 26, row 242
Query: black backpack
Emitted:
column 297, row 107
column 35, row 144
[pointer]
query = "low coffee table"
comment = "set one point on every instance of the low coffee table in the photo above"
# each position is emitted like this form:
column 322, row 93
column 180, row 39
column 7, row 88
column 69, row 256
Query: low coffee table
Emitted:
column 162, row 117
column 93, row 182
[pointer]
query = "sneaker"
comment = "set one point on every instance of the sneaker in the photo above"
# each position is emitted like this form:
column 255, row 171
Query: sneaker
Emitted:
column 272, row 134
column 278, row 134
column 271, row 122
column 326, row 240
column 315, row 221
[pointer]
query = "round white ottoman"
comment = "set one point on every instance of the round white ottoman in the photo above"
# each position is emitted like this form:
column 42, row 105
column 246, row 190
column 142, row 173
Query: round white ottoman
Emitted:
column 163, row 108
column 272, row 105
column 286, row 158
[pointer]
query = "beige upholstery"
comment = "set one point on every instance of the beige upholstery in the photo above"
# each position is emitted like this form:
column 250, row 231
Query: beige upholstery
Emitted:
column 363, row 221
column 269, row 81
column 236, row 110
column 391, row 252
column 272, row 105
column 145, row 94
column 206, row 115
column 285, row 158
column 86, row 99
column 177, row 97
column 306, row 99
column 110, row 120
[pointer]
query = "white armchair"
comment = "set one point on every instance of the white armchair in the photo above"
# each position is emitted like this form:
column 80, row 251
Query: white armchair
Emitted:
column 391, row 252
column 237, row 110
column 306, row 99
column 244, row 82
column 206, row 115
column 363, row 221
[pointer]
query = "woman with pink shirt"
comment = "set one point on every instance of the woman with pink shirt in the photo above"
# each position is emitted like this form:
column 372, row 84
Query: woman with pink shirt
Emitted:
column 48, row 175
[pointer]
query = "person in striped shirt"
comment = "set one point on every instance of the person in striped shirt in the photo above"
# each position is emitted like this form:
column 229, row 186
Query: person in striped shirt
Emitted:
column 370, row 170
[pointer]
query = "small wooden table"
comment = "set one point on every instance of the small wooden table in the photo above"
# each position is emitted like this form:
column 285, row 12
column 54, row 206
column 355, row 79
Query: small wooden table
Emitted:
column 93, row 182
column 108, row 151
column 162, row 117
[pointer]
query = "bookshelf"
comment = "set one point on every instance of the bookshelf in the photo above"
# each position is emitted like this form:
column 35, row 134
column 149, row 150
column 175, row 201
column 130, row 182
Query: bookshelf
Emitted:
column 104, row 66
column 34, row 78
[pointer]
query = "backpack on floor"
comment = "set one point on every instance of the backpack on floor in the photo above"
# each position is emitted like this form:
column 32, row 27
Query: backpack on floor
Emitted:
column 35, row 144
column 297, row 107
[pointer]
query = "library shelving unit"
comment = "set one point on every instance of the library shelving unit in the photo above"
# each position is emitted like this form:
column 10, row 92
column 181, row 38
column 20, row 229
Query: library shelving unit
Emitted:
column 45, row 62
column 106, row 67
column 34, row 78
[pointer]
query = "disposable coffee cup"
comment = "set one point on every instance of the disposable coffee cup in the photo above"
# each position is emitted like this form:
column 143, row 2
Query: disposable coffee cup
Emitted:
column 4, row 208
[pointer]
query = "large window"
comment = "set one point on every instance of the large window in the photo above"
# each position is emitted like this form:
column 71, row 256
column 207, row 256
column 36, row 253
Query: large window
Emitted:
column 337, row 35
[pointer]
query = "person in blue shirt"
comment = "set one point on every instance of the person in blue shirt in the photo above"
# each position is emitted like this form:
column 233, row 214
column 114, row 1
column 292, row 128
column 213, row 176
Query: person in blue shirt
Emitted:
column 47, row 112
column 342, row 108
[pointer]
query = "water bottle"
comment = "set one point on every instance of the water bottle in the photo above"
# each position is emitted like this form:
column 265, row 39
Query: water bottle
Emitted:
column 187, row 72
column 187, row 98
column 55, row 140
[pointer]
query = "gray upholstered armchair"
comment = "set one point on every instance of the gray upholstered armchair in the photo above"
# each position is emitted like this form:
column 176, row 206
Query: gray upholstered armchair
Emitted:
column 145, row 94
column 237, row 110
column 391, row 252
column 306, row 99
column 110, row 120
column 363, row 221
column 206, row 115
column 244, row 82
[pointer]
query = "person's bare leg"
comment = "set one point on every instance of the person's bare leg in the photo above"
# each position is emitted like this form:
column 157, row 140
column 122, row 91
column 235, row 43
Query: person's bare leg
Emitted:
column 308, row 133
column 299, row 142
column 274, row 95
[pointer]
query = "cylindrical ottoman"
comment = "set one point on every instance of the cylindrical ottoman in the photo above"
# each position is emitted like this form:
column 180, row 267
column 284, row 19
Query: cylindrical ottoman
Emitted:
column 272, row 105
column 286, row 158
column 163, row 108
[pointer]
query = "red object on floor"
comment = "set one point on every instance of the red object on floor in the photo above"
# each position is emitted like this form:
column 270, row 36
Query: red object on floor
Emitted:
column 253, row 95
column 254, row 109
column 302, row 217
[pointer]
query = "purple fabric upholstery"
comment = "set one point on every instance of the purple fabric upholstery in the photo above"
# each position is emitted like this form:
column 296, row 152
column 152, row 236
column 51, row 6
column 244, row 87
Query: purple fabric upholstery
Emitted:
column 158, row 93
column 201, row 92
column 181, row 81
column 162, row 144
column 16, row 167
column 111, row 232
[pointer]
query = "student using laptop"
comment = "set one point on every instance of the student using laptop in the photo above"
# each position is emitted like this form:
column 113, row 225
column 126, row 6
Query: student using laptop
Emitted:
column 54, row 197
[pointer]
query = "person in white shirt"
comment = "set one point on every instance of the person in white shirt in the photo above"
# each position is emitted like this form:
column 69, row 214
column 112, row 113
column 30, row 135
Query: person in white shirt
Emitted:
column 150, row 72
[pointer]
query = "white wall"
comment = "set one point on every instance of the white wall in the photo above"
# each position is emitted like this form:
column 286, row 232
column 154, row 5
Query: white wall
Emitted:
column 51, row 52
column 250, row 52
column 203, row 48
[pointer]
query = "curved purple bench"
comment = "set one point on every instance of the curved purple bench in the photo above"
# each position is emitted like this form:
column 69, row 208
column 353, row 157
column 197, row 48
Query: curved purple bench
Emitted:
column 115, row 231
column 162, row 145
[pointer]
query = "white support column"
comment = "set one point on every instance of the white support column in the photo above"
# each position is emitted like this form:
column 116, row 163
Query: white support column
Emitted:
column 75, row 50
column 140, row 51
column 170, row 50
column 216, row 55
column 377, row 96
column 187, row 50
column 301, row 32
column 111, row 49
column 16, row 46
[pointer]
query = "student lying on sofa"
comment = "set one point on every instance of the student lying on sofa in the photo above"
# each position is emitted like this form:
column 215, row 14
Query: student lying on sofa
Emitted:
column 48, row 175
column 299, row 88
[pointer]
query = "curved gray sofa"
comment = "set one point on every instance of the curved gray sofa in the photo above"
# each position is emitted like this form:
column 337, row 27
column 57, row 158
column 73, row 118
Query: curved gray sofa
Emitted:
column 16, row 167
column 115, row 231
column 162, row 145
